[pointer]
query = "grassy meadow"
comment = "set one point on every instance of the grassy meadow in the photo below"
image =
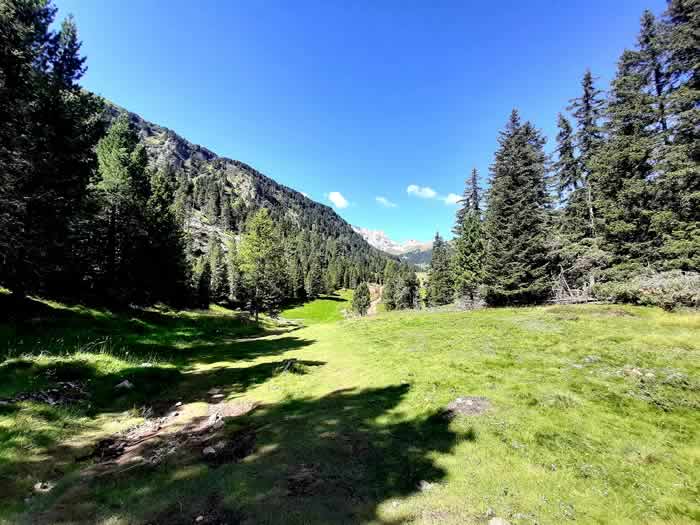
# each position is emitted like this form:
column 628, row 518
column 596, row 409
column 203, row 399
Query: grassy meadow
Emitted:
column 593, row 415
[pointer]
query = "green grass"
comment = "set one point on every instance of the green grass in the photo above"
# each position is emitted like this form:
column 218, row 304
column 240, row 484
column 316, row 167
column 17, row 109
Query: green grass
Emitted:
column 323, row 310
column 575, row 433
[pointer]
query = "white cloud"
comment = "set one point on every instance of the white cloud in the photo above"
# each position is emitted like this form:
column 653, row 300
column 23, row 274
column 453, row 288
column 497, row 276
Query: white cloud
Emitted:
column 305, row 194
column 338, row 200
column 452, row 198
column 385, row 202
column 424, row 192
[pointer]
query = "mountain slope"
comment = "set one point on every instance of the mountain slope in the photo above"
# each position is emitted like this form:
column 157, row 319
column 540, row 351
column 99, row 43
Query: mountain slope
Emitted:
column 216, row 195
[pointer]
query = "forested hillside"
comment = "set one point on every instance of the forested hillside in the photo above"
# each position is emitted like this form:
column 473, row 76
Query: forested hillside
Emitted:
column 215, row 197
column 100, row 205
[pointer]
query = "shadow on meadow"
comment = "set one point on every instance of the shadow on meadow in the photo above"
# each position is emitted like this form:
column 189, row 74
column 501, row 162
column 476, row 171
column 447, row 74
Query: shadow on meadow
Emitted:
column 332, row 459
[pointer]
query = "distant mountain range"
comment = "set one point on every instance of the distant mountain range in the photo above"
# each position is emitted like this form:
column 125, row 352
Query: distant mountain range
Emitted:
column 411, row 251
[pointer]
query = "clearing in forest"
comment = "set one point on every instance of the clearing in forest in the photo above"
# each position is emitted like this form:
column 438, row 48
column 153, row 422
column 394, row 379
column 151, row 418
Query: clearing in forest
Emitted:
column 533, row 415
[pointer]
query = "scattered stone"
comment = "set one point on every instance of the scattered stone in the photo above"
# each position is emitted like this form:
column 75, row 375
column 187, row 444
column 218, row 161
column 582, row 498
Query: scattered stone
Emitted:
column 125, row 385
column 178, row 404
column 218, row 396
column 199, row 518
column 43, row 486
column 213, row 391
column 467, row 406
column 209, row 451
column 632, row 371
column 498, row 521
column 425, row 486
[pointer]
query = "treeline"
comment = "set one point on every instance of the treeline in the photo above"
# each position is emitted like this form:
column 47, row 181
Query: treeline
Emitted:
column 90, row 211
column 615, row 213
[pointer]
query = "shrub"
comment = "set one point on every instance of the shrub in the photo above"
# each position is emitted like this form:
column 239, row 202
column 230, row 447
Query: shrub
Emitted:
column 668, row 290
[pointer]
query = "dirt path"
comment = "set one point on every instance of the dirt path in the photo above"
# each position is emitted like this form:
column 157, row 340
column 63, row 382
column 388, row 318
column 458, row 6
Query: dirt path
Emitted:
column 375, row 294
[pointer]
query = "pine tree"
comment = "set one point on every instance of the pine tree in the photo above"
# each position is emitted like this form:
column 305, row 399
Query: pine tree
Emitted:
column 515, row 226
column 406, row 290
column 236, row 290
column 469, row 201
column 361, row 299
column 677, row 200
column 587, row 110
column 262, row 265
column 314, row 280
column 48, row 131
column 123, row 190
column 440, row 284
column 202, row 281
column 389, row 292
column 624, row 165
column 168, row 269
column 566, row 168
column 468, row 257
column 217, row 264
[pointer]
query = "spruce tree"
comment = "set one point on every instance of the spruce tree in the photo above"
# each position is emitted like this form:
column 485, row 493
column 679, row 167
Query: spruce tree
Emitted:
column 122, row 190
column 588, row 111
column 361, row 299
column 406, row 288
column 516, row 219
column 236, row 290
column 469, row 248
column 440, row 284
column 262, row 265
column 48, row 130
column 168, row 269
column 314, row 280
column 218, row 287
column 624, row 165
column 677, row 198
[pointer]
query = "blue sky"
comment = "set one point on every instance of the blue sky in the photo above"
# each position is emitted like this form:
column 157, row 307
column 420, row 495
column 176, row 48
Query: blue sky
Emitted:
column 365, row 99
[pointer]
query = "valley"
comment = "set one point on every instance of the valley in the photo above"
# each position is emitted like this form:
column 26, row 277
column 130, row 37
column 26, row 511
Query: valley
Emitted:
column 591, row 414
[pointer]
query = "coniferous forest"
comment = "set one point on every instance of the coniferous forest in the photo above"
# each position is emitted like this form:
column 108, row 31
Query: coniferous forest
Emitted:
column 185, row 340
column 99, row 205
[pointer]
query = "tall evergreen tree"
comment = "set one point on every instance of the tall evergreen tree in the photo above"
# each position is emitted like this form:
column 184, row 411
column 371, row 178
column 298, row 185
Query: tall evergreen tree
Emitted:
column 219, row 289
column 47, row 137
column 361, row 299
column 588, row 111
column 262, row 265
column 168, row 267
column 624, row 166
column 469, row 248
column 516, row 219
column 314, row 280
column 677, row 201
column 123, row 191
column 440, row 285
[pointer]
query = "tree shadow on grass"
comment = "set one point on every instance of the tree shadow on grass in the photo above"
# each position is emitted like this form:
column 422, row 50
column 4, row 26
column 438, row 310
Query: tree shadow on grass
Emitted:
column 42, row 427
column 333, row 459
column 144, row 333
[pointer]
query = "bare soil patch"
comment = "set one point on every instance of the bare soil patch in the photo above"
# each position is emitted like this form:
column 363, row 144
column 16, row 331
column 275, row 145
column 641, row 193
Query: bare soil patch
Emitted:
column 61, row 393
column 175, row 435
column 467, row 406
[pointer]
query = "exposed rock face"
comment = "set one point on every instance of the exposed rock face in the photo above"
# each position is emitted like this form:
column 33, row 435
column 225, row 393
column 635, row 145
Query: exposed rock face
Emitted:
column 381, row 241
column 244, row 187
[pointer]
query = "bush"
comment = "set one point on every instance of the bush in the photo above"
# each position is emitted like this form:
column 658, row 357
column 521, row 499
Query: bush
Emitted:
column 668, row 290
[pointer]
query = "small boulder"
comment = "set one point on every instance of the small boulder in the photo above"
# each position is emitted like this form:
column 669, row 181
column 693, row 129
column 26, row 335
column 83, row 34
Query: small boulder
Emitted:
column 498, row 521
column 125, row 385
column 209, row 451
